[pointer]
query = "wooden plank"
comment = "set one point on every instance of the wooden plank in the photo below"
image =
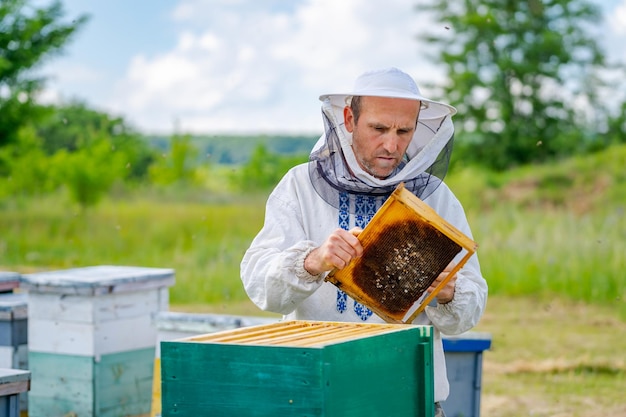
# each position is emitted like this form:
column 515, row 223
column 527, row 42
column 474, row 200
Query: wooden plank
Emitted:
column 9, row 406
column 20, row 358
column 7, row 356
column 320, row 337
column 13, row 332
column 155, row 408
column 257, row 334
column 124, row 383
column 13, row 306
column 60, row 385
column 377, row 376
column 9, row 281
column 98, row 280
column 8, row 376
column 16, row 387
column 44, row 406
column 120, row 384
column 239, row 380
column 245, row 332
column 73, row 338
column 89, row 309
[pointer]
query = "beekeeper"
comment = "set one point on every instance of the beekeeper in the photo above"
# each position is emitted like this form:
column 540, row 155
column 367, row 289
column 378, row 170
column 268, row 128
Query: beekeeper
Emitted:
column 381, row 134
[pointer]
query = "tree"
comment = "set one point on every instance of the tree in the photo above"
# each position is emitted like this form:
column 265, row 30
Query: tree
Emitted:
column 264, row 169
column 524, row 76
column 90, row 172
column 179, row 166
column 28, row 35
column 72, row 126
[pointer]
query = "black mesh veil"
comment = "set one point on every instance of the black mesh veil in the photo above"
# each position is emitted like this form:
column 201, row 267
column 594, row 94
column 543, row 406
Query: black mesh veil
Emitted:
column 330, row 175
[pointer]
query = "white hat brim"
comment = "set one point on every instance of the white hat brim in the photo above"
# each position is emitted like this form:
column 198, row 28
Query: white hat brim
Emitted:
column 430, row 109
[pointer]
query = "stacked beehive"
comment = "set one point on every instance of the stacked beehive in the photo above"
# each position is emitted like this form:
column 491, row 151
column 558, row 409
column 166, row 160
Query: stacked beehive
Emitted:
column 13, row 328
column 92, row 339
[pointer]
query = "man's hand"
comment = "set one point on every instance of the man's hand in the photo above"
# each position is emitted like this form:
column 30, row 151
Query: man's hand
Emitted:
column 447, row 292
column 336, row 252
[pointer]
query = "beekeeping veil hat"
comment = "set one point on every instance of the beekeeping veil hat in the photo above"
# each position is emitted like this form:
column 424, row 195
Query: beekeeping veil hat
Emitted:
column 333, row 165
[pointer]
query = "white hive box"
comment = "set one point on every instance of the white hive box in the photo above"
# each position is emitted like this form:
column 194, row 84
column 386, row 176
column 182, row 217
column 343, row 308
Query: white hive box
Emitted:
column 91, row 339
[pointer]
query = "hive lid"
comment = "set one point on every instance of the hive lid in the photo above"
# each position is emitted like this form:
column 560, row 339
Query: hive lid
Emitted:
column 9, row 280
column 302, row 333
column 406, row 246
column 13, row 306
column 97, row 280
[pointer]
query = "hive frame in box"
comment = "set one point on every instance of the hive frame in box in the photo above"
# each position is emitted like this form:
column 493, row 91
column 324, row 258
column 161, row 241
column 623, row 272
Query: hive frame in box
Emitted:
column 403, row 210
column 301, row 368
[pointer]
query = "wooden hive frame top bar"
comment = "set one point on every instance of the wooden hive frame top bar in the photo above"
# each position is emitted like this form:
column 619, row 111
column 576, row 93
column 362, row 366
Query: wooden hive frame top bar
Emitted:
column 298, row 333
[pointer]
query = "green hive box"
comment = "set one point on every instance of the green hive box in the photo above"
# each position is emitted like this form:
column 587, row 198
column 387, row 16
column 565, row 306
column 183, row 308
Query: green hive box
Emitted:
column 301, row 368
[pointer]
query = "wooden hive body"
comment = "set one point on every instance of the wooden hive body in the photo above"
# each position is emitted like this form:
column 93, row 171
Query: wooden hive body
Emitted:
column 92, row 340
column 300, row 368
column 406, row 246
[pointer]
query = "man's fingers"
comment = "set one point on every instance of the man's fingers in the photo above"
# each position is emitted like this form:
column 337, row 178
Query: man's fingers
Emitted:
column 355, row 231
column 341, row 247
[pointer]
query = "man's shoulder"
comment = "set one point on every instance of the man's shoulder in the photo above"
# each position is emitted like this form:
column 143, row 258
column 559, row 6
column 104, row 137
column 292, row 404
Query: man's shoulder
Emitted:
column 296, row 176
column 298, row 171
column 442, row 195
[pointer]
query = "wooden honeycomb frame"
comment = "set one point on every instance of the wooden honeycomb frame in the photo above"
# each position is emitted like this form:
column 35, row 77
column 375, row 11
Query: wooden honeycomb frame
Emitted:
column 406, row 246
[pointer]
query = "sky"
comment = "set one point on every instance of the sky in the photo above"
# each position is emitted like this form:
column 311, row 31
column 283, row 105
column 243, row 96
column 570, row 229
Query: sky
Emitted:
column 243, row 66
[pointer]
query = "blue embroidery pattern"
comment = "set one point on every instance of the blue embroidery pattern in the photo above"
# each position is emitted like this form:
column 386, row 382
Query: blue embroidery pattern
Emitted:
column 365, row 208
column 342, row 301
column 344, row 211
column 344, row 223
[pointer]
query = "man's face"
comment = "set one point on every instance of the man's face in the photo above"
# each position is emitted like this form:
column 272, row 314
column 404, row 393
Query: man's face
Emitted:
column 382, row 133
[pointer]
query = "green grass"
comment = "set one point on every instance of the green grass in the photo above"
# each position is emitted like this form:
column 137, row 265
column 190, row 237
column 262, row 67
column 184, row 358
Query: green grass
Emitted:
column 203, row 242
column 531, row 252
column 538, row 234
column 551, row 240
column 552, row 357
column 541, row 235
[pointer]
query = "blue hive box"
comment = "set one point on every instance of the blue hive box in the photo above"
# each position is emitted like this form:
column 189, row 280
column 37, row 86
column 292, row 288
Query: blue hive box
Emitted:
column 464, row 359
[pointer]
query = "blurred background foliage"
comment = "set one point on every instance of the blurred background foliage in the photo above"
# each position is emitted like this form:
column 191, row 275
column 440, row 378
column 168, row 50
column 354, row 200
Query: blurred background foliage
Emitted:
column 538, row 148
column 528, row 78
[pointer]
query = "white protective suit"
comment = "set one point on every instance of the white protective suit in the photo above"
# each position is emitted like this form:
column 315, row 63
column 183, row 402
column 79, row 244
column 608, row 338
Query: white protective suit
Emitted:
column 299, row 218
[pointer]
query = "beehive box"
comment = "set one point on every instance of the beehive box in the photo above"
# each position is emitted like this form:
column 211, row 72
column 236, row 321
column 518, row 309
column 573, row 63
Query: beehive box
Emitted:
column 13, row 326
column 92, row 340
column 464, row 364
column 406, row 246
column 9, row 281
column 300, row 368
column 177, row 325
column 14, row 335
column 13, row 384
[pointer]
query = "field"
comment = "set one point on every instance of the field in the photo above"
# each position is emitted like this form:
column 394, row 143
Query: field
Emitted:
column 552, row 358
column 551, row 243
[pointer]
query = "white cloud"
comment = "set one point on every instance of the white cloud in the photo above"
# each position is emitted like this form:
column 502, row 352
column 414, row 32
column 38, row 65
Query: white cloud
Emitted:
column 614, row 35
column 63, row 73
column 617, row 19
column 250, row 66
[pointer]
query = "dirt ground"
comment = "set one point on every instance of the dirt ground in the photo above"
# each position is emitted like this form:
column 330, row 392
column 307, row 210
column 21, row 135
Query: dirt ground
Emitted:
column 556, row 358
